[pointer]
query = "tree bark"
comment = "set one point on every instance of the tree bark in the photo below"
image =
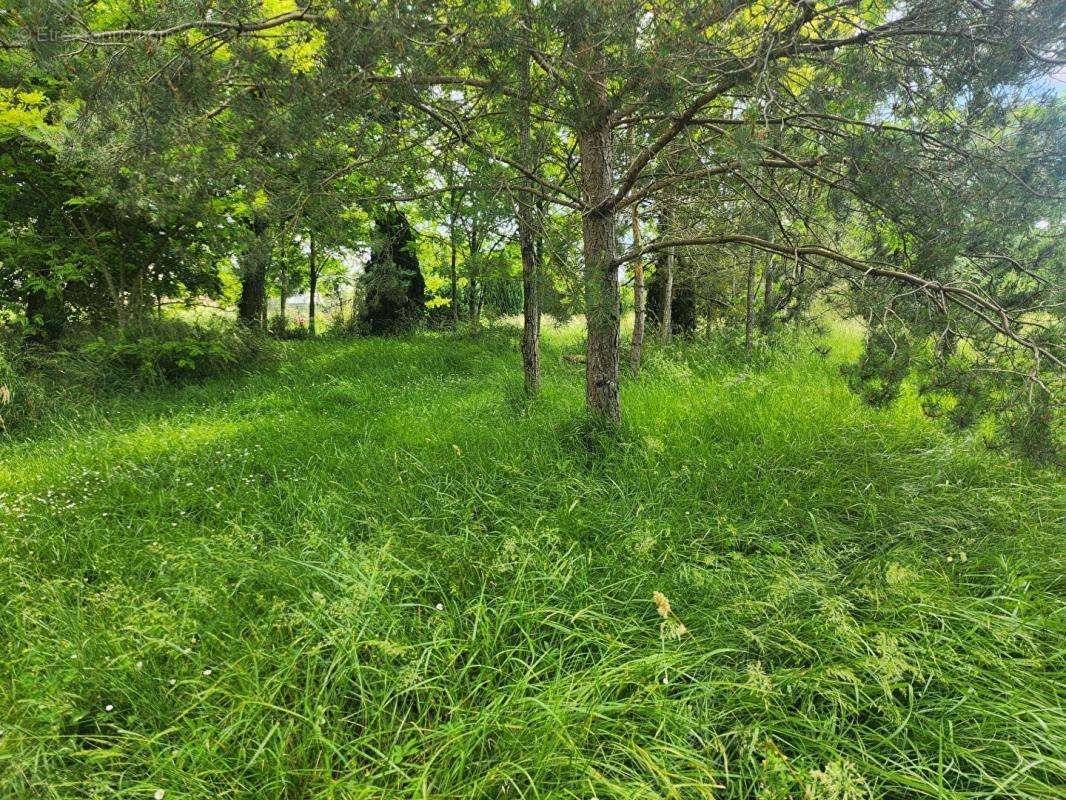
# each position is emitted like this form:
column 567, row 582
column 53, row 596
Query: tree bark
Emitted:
column 473, row 303
column 767, row 321
column 636, row 349
column 602, row 310
column 251, row 308
column 749, row 322
column 667, row 328
column 284, row 294
column 525, row 219
column 454, row 274
column 312, row 282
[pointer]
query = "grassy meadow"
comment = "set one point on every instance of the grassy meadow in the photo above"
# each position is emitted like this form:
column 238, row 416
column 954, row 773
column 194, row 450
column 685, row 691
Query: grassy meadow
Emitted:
column 375, row 571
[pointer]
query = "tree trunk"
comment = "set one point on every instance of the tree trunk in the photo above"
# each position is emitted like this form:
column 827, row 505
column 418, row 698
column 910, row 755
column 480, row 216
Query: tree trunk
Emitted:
column 636, row 350
column 284, row 294
column 602, row 309
column 473, row 302
column 667, row 329
column 530, row 309
column 251, row 308
column 749, row 322
column 312, row 278
column 709, row 308
column 524, row 217
column 767, row 321
column 472, row 305
column 454, row 274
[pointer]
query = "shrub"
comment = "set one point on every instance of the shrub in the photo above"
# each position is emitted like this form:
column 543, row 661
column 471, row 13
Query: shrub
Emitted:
column 174, row 350
column 36, row 381
column 288, row 328
column 341, row 324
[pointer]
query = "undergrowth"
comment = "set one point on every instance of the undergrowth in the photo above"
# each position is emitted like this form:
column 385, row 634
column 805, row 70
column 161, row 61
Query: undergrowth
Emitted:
column 42, row 386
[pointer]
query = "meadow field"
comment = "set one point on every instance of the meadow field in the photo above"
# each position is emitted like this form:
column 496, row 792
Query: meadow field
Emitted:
column 374, row 570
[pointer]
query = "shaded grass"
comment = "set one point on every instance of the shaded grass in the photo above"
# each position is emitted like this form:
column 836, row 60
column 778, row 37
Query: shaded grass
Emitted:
column 377, row 572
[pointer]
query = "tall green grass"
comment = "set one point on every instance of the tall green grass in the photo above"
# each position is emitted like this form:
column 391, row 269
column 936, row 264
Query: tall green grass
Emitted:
column 378, row 572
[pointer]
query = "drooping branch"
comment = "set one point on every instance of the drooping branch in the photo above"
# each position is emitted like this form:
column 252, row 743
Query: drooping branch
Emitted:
column 990, row 312
column 210, row 26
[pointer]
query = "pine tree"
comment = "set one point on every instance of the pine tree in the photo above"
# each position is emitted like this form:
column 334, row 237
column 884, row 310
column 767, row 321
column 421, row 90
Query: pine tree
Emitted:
column 393, row 288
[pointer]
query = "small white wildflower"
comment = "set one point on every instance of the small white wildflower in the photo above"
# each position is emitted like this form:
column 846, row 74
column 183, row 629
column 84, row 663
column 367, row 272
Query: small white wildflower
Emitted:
column 440, row 606
column 172, row 682
column 665, row 679
column 207, row 672
column 159, row 794
column 109, row 707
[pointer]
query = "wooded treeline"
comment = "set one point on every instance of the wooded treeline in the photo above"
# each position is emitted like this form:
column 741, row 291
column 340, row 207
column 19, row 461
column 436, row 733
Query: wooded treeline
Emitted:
column 739, row 162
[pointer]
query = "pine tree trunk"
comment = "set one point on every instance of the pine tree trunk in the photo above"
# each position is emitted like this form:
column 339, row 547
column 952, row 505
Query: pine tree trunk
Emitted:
column 251, row 308
column 667, row 329
column 530, row 303
column 312, row 279
column 636, row 352
column 636, row 349
column 454, row 276
column 283, row 299
column 473, row 303
column 602, row 309
column 767, row 320
column 749, row 322
column 525, row 219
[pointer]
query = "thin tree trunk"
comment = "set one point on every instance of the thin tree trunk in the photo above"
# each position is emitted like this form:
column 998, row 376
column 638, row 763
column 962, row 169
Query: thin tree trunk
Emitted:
column 709, row 310
column 312, row 276
column 473, row 303
column 284, row 294
column 602, row 309
column 636, row 350
column 525, row 219
column 454, row 274
column 667, row 329
column 749, row 323
column 530, row 312
column 767, row 321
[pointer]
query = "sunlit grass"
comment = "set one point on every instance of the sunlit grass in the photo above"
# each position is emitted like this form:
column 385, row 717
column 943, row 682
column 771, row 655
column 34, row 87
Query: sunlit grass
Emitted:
column 376, row 571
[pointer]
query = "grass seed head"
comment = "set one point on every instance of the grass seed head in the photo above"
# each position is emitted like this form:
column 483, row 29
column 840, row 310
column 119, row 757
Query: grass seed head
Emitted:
column 662, row 605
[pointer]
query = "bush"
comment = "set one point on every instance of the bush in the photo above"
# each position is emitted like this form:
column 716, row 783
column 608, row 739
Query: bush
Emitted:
column 288, row 328
column 17, row 396
column 174, row 350
column 342, row 325
column 35, row 381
